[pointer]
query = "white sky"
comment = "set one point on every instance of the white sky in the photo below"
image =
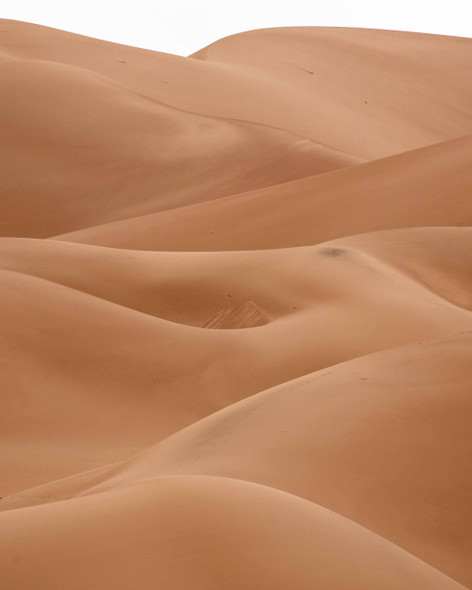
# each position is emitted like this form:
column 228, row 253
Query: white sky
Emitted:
column 184, row 26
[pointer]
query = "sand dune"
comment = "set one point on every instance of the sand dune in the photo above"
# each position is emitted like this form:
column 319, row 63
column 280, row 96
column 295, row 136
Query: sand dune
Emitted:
column 313, row 82
column 198, row 530
column 236, row 310
column 93, row 130
column 375, row 82
column 369, row 439
column 82, row 150
column 136, row 318
column 425, row 187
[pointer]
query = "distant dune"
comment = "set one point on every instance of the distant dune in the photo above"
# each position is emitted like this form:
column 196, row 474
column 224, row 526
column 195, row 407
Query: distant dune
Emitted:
column 236, row 310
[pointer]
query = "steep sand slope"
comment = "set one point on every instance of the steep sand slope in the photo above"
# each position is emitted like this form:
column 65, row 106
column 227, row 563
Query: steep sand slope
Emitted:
column 425, row 187
column 112, row 358
column 201, row 532
column 80, row 149
column 383, row 440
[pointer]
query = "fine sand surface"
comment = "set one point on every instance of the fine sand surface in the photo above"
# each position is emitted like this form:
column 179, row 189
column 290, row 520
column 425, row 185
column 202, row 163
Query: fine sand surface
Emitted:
column 236, row 312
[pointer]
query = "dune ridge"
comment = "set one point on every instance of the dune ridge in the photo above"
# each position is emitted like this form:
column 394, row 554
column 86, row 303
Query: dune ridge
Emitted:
column 421, row 188
column 236, row 309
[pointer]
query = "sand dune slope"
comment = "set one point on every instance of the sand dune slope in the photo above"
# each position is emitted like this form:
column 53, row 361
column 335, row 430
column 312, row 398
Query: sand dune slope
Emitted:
column 89, row 332
column 387, row 87
column 191, row 288
column 436, row 257
column 363, row 92
column 383, row 440
column 201, row 532
column 425, row 187
column 80, row 149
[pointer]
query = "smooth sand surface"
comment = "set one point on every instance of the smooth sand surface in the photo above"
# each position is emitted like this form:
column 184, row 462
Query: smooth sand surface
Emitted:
column 425, row 187
column 152, row 361
column 236, row 312
column 203, row 532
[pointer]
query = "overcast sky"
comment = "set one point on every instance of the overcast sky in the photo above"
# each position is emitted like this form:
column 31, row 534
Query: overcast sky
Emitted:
column 184, row 26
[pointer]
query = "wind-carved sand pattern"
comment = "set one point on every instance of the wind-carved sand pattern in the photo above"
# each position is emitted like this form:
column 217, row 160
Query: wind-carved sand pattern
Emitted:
column 236, row 312
column 247, row 315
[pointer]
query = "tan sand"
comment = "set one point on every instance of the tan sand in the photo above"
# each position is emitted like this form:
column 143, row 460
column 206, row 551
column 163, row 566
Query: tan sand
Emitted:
column 202, row 532
column 236, row 312
column 143, row 311
column 425, row 187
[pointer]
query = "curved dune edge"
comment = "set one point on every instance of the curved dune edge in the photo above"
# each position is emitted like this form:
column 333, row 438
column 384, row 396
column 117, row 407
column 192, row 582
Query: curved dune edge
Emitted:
column 237, row 120
column 354, row 424
column 425, row 187
column 192, row 532
column 131, row 391
column 107, row 162
column 191, row 288
column 261, row 77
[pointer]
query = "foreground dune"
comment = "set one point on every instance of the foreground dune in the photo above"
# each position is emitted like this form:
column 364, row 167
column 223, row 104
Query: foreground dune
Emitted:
column 369, row 439
column 236, row 309
column 202, row 532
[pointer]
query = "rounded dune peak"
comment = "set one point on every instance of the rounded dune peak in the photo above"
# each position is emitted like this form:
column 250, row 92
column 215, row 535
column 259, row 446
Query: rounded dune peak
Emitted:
column 206, row 532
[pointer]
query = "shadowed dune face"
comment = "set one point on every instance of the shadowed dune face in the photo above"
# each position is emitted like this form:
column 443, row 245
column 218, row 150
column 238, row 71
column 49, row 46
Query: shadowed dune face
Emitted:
column 81, row 149
column 236, row 311
column 425, row 187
